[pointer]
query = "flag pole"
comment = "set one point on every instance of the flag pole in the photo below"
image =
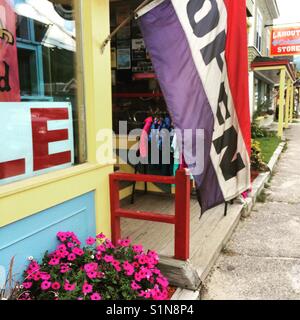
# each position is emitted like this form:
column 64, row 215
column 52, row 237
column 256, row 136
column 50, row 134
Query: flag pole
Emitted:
column 122, row 24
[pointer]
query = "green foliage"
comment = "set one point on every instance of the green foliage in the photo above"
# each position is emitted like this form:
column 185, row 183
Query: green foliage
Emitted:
column 257, row 162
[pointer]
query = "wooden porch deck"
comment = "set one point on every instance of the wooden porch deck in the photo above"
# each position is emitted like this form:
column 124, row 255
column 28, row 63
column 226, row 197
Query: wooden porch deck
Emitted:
column 208, row 234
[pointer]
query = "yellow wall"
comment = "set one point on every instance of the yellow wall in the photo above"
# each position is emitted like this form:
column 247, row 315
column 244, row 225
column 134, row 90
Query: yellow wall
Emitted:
column 22, row 199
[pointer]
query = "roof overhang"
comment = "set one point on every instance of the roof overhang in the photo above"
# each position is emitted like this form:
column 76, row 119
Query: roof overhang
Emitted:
column 269, row 70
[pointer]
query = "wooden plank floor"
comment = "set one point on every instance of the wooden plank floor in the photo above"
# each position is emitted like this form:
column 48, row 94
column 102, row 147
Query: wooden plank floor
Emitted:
column 160, row 236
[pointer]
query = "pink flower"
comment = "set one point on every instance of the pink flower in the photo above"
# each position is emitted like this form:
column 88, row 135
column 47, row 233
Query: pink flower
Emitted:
column 137, row 277
column 135, row 286
column 36, row 276
column 54, row 262
column 70, row 245
column 101, row 236
column 137, row 248
column 87, row 288
column 90, row 241
column 78, row 251
column 69, row 287
column 146, row 295
column 64, row 269
column 96, row 296
column 45, row 285
column 143, row 259
column 101, row 248
column 90, row 267
column 45, row 276
column 162, row 281
column 92, row 274
column 62, row 247
column 108, row 258
column 124, row 243
column 99, row 256
column 27, row 285
column 71, row 257
column 55, row 286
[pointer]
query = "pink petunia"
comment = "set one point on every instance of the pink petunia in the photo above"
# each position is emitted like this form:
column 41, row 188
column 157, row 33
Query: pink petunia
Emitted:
column 89, row 267
column 45, row 276
column 143, row 259
column 137, row 248
column 45, row 285
column 135, row 286
column 108, row 258
column 137, row 277
column 62, row 247
column 27, row 285
column 101, row 248
column 87, row 288
column 78, row 251
column 69, row 287
column 92, row 274
column 70, row 245
column 71, row 257
column 55, row 286
column 90, row 241
column 96, row 296
column 99, row 256
column 162, row 281
column 101, row 236
column 54, row 262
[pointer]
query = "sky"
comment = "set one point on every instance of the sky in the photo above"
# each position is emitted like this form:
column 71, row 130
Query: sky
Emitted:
column 289, row 11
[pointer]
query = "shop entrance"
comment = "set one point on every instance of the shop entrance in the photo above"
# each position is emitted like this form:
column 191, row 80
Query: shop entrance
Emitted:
column 138, row 102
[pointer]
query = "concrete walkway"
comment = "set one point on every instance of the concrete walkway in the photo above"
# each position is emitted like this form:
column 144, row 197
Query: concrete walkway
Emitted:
column 262, row 259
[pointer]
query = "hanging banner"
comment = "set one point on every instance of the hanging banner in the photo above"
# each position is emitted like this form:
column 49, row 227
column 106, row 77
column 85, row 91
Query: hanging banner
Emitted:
column 9, row 73
column 285, row 41
column 35, row 138
column 199, row 51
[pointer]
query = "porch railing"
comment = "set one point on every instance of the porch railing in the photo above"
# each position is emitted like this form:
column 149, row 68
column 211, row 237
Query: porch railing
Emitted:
column 181, row 219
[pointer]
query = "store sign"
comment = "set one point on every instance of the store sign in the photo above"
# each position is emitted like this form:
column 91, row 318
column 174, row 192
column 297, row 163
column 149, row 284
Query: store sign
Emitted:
column 9, row 71
column 35, row 138
column 285, row 41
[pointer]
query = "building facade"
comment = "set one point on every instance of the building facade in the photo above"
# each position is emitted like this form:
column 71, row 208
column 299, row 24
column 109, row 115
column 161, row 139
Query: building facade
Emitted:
column 261, row 14
column 54, row 100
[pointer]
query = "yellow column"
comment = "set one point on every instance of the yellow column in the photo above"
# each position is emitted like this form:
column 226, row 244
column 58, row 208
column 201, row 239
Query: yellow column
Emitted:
column 281, row 102
column 292, row 103
column 287, row 104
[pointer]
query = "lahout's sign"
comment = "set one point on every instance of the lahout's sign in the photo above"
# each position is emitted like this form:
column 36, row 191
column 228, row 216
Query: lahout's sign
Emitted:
column 285, row 41
column 35, row 138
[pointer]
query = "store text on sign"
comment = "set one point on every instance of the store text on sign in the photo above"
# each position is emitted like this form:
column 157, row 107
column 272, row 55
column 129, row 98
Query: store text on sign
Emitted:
column 285, row 41
column 35, row 138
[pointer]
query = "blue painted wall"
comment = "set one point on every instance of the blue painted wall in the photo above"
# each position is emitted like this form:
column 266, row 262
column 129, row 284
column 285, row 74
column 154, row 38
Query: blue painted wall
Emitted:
column 36, row 234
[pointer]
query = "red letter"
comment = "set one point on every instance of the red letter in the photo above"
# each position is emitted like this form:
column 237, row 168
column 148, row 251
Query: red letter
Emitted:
column 41, row 138
column 12, row 168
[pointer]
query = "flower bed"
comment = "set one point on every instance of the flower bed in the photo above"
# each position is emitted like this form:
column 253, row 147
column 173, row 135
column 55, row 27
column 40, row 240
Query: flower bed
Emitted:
column 98, row 271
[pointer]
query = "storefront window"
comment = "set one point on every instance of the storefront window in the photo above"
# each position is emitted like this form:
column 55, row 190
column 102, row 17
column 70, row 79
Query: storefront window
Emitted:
column 42, row 117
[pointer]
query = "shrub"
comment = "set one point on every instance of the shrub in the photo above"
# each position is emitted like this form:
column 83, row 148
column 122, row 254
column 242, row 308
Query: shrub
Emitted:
column 257, row 162
column 98, row 271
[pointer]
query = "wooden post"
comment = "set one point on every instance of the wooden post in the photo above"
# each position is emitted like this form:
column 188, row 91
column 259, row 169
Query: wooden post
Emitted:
column 114, row 206
column 292, row 103
column 281, row 103
column 287, row 104
column 182, row 215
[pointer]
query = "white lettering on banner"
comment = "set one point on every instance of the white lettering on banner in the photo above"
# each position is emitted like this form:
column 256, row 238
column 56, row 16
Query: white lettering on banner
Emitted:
column 35, row 138
column 207, row 42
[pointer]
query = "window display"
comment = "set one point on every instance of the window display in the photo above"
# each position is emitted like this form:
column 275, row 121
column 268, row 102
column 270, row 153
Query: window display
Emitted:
column 41, row 106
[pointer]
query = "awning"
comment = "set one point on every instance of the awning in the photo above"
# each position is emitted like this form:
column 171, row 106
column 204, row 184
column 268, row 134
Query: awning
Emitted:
column 268, row 69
